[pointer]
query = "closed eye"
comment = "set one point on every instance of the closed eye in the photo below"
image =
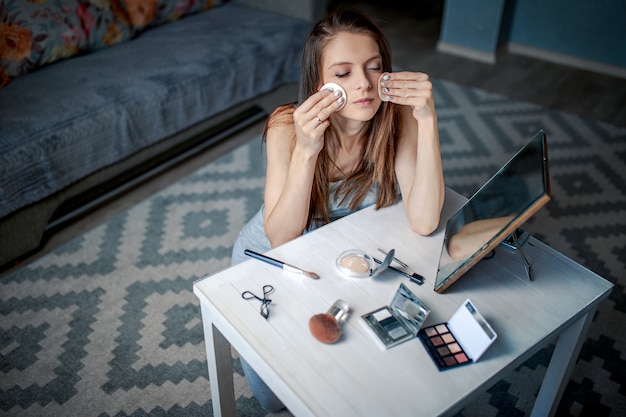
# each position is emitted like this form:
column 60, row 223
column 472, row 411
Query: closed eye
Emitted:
column 342, row 75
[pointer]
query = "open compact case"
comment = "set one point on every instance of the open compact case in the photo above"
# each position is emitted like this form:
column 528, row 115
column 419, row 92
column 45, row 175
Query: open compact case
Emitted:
column 399, row 321
column 461, row 341
column 355, row 263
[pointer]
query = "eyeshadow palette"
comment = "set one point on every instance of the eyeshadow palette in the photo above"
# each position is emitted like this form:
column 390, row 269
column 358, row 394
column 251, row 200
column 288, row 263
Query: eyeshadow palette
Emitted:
column 461, row 341
column 400, row 321
column 443, row 346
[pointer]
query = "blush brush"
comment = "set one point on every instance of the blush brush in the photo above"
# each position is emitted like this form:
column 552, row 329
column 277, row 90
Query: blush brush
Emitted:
column 280, row 264
column 326, row 327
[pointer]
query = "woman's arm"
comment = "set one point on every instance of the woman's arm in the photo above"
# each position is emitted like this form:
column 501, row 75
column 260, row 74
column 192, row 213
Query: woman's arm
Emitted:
column 291, row 167
column 289, row 177
column 418, row 159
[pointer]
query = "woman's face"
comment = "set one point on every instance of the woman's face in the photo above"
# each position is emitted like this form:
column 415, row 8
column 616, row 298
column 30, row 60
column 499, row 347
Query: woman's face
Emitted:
column 353, row 61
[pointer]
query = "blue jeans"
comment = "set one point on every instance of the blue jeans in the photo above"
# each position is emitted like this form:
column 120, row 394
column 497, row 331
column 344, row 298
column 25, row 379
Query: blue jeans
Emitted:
column 261, row 391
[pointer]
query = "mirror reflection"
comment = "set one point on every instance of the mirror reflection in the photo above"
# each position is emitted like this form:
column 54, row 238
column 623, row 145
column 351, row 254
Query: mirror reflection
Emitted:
column 508, row 199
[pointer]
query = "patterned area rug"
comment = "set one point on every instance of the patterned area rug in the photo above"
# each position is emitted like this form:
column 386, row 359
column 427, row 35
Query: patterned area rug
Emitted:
column 107, row 325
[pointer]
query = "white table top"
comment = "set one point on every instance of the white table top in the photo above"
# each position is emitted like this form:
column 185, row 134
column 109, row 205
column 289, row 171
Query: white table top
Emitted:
column 356, row 376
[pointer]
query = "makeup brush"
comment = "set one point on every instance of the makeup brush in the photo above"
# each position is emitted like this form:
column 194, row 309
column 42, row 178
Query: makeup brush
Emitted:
column 280, row 264
column 326, row 327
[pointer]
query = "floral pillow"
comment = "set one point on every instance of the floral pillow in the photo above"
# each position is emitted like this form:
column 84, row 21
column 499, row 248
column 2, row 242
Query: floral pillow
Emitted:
column 143, row 13
column 34, row 33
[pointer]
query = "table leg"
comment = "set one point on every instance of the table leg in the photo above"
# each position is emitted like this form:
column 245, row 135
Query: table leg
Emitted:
column 220, row 369
column 561, row 365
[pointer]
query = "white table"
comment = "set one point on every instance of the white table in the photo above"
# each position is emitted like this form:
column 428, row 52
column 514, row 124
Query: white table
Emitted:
column 356, row 376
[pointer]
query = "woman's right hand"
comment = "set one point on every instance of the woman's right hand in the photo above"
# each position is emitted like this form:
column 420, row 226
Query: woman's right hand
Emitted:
column 311, row 119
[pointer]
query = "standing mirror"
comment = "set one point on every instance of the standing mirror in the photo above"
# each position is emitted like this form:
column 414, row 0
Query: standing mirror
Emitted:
column 509, row 198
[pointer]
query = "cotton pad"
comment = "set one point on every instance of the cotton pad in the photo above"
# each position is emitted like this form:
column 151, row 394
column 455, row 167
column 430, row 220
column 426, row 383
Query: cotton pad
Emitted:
column 336, row 87
column 381, row 94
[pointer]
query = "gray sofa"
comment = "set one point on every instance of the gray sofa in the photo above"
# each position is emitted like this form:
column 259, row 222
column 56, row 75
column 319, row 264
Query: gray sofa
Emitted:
column 74, row 133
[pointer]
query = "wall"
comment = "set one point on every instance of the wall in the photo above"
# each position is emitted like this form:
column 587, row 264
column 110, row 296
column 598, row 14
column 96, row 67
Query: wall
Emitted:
column 586, row 33
column 472, row 28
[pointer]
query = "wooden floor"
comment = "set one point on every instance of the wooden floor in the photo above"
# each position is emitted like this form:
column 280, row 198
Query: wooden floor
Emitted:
column 413, row 31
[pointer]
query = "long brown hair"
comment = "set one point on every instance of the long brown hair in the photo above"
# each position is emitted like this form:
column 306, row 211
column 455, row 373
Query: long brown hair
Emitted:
column 377, row 162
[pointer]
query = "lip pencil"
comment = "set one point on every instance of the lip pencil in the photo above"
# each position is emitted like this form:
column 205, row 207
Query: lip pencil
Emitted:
column 280, row 264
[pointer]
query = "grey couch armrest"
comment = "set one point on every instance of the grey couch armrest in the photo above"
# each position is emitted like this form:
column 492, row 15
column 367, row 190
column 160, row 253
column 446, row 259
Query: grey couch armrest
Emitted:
column 309, row 10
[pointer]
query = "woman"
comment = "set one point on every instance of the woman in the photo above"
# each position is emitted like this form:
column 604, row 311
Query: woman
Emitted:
column 331, row 155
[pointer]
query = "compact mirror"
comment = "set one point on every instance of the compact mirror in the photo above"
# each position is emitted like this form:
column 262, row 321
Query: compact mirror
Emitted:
column 400, row 321
column 509, row 198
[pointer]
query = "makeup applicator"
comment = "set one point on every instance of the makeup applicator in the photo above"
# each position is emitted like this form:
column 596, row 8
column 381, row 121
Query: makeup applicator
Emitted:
column 382, row 83
column 336, row 87
column 326, row 327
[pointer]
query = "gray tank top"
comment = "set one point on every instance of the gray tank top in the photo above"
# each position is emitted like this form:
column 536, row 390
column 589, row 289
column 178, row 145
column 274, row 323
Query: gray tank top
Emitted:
column 252, row 236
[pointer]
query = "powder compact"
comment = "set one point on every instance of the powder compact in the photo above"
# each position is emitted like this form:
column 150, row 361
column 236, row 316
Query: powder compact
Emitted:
column 461, row 341
column 355, row 263
column 400, row 321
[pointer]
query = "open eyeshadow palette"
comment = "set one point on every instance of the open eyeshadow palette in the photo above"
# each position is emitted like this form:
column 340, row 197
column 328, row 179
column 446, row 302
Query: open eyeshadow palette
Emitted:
column 400, row 321
column 461, row 341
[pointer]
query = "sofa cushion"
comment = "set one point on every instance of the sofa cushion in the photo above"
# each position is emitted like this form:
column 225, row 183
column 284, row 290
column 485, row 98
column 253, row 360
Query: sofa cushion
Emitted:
column 37, row 33
column 70, row 119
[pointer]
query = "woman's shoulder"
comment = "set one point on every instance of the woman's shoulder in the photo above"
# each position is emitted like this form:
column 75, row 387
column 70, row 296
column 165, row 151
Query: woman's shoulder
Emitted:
column 282, row 116
column 280, row 123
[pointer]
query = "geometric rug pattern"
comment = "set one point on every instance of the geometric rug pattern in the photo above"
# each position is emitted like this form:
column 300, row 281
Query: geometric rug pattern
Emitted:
column 107, row 325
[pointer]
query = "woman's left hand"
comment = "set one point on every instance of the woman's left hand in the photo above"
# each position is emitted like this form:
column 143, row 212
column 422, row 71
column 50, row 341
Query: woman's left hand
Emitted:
column 412, row 89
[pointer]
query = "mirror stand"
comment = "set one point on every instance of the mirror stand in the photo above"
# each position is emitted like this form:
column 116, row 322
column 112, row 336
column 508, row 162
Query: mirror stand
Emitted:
column 519, row 250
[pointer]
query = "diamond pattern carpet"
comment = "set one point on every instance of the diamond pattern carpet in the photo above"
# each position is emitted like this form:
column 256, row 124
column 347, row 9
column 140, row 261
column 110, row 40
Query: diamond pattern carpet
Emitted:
column 107, row 325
